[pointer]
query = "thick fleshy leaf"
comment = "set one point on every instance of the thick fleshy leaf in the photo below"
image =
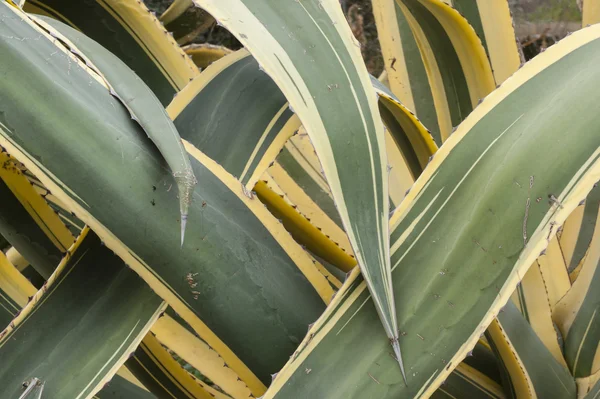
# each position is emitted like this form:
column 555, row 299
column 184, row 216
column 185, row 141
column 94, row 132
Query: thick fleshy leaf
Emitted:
column 467, row 382
column 576, row 235
column 15, row 292
column 198, row 354
column 591, row 12
column 28, row 223
column 463, row 225
column 131, row 32
column 458, row 71
column 317, row 65
column 252, row 272
column 156, row 369
column 91, row 297
column 139, row 100
column 406, row 73
column 220, row 113
column 119, row 388
column 493, row 23
column 534, row 298
column 204, row 54
column 532, row 367
column 577, row 313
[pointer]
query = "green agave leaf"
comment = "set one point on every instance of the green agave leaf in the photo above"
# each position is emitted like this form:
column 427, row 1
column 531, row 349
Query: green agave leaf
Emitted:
column 91, row 297
column 483, row 359
column 156, row 369
column 235, row 114
column 23, row 233
column 576, row 313
column 70, row 220
column 8, row 309
column 467, row 382
column 143, row 105
column 131, row 32
column 119, row 388
column 546, row 376
column 404, row 66
column 204, row 54
column 245, row 145
column 407, row 132
column 492, row 21
column 15, row 291
column 583, row 232
column 246, row 266
column 261, row 128
column 458, row 70
column 533, row 301
column 315, row 62
column 175, row 334
column 594, row 393
column 438, row 249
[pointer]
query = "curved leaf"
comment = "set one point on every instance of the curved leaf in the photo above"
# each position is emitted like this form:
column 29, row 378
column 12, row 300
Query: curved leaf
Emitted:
column 542, row 375
column 140, row 102
column 130, row 31
column 462, row 224
column 576, row 314
column 319, row 69
column 91, row 297
column 205, row 54
column 493, row 24
column 252, row 273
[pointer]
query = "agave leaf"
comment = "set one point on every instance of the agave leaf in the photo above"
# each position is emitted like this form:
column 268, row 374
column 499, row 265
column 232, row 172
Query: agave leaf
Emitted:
column 154, row 367
column 119, row 388
column 15, row 177
column 409, row 136
column 16, row 259
column 594, row 393
column 296, row 190
column 576, row 313
column 244, row 144
column 131, row 32
column 529, row 362
column 235, row 244
column 576, row 235
column 493, row 23
column 405, row 70
column 321, row 73
column 458, row 70
column 591, row 12
column 483, row 359
column 471, row 178
column 467, row 382
column 139, row 100
column 21, row 230
column 28, row 223
column 587, row 385
column 304, row 219
column 92, row 296
column 533, row 301
column 15, row 291
column 69, row 219
column 198, row 354
column 204, row 54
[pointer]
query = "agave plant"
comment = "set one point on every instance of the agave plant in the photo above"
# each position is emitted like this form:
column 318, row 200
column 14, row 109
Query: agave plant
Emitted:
column 196, row 222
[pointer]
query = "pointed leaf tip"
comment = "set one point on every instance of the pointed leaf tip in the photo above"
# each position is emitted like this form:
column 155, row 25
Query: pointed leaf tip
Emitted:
column 398, row 355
